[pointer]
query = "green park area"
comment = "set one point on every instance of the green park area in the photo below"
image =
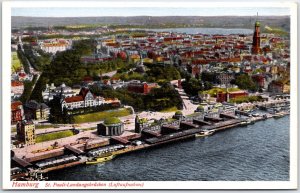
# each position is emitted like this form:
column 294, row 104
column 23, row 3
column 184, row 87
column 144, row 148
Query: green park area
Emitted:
column 15, row 62
column 53, row 136
column 213, row 92
column 99, row 116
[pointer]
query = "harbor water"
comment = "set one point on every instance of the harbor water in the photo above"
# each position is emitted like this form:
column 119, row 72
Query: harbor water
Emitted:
column 258, row 152
column 210, row 31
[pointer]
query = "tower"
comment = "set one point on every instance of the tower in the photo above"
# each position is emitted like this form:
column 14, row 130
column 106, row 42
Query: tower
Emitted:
column 256, row 39
column 138, row 128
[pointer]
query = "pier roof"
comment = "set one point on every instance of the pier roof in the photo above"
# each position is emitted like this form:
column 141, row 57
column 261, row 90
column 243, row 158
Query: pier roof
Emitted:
column 120, row 139
column 73, row 149
column 21, row 162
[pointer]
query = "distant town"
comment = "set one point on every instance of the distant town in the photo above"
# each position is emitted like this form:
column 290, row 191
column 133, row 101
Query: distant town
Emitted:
column 84, row 94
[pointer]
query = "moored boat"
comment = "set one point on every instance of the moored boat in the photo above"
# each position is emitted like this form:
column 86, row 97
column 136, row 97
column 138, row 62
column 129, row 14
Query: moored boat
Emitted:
column 279, row 115
column 205, row 133
column 100, row 159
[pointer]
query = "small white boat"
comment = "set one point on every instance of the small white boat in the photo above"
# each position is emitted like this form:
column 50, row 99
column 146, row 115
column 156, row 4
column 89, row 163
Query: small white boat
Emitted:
column 205, row 133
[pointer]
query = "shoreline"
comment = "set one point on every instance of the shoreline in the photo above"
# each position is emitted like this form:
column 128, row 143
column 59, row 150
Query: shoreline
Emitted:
column 146, row 144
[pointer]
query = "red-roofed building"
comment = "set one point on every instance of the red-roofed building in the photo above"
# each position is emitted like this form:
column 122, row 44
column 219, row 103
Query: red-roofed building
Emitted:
column 84, row 99
column 141, row 87
column 17, row 87
column 16, row 112
column 223, row 96
column 259, row 79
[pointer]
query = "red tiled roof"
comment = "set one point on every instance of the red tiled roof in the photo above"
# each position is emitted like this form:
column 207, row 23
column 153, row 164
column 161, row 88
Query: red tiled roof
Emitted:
column 15, row 105
column 22, row 74
column 83, row 92
column 16, row 83
column 73, row 99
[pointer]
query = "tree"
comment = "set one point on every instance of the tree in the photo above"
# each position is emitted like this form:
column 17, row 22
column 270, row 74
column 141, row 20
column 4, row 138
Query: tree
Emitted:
column 244, row 81
column 208, row 76
column 192, row 87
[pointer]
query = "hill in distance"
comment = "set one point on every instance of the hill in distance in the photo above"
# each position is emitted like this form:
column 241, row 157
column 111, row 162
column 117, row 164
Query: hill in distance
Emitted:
column 203, row 21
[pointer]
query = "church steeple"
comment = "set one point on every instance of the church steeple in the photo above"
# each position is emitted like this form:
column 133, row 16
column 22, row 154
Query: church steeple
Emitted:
column 256, row 39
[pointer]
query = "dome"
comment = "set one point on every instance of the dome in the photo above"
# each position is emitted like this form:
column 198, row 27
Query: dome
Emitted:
column 111, row 121
column 178, row 113
column 200, row 107
column 257, row 24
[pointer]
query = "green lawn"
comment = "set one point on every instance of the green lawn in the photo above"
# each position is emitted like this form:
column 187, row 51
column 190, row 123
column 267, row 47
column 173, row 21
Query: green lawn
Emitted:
column 15, row 62
column 53, row 136
column 44, row 126
column 99, row 116
column 14, row 129
column 168, row 110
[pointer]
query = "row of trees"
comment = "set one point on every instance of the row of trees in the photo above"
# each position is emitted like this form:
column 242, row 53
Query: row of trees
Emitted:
column 205, row 82
column 37, row 62
column 158, row 99
column 27, row 89
column 23, row 60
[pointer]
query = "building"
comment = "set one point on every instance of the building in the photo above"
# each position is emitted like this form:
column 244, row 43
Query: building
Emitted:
column 256, row 39
column 84, row 99
column 226, row 96
column 225, row 78
column 178, row 115
column 278, row 87
column 200, row 109
column 63, row 91
column 140, row 87
column 259, row 80
column 26, row 132
column 140, row 124
column 55, row 45
column 36, row 111
column 17, row 88
column 17, row 112
column 111, row 126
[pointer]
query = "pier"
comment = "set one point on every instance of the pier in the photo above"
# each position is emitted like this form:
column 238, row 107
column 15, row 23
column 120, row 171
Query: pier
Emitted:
column 72, row 155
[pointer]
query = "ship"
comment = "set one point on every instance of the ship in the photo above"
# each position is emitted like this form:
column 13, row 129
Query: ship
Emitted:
column 246, row 122
column 279, row 115
column 96, row 160
column 205, row 133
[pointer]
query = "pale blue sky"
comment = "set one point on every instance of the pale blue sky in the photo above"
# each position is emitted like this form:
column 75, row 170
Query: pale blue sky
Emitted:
column 85, row 12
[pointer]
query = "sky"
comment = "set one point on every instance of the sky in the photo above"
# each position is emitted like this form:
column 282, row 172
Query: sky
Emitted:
column 147, row 11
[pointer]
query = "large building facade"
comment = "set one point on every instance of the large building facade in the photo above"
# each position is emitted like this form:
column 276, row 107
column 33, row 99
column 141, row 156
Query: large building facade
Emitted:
column 141, row 87
column 26, row 132
column 226, row 96
column 17, row 112
column 36, row 111
column 84, row 99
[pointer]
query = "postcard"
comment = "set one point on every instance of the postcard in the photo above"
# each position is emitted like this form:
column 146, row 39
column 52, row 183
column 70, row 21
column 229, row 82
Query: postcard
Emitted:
column 149, row 95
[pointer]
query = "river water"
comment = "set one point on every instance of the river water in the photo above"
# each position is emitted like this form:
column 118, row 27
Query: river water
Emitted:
column 258, row 152
column 210, row 31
